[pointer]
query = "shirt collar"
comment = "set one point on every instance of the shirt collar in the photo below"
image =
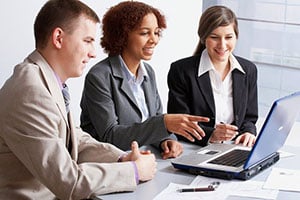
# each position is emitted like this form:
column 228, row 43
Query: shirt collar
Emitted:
column 235, row 64
column 206, row 65
column 142, row 72
column 60, row 83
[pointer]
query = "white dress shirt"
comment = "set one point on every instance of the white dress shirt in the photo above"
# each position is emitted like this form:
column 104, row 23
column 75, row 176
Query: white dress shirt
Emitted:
column 222, row 90
column 136, row 87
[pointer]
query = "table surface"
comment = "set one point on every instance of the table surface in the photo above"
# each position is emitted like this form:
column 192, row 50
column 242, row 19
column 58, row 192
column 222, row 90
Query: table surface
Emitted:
column 166, row 173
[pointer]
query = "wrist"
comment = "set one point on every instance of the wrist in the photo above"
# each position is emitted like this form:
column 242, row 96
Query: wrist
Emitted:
column 165, row 116
column 136, row 172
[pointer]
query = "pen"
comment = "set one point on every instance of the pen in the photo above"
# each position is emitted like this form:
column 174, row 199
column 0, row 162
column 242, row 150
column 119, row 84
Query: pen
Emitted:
column 204, row 189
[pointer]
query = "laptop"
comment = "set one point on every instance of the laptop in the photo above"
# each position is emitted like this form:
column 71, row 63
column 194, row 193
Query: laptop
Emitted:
column 214, row 160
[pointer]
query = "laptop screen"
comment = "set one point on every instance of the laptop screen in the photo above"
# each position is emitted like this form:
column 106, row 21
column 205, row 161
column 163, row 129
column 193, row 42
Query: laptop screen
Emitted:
column 275, row 129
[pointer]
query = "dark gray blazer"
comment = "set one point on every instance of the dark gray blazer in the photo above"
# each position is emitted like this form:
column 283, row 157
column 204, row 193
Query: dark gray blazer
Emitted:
column 191, row 94
column 110, row 112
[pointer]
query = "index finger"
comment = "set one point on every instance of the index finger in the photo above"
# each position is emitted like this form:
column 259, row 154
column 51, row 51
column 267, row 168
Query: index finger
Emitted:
column 198, row 118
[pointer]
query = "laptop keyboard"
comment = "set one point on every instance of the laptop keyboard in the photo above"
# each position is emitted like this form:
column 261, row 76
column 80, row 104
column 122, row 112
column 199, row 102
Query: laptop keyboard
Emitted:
column 233, row 158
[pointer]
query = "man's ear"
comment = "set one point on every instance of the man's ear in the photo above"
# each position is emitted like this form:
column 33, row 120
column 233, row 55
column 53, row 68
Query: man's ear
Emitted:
column 57, row 37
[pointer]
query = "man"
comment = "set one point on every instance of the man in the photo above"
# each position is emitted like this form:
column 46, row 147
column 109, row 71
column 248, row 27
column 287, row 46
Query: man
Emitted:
column 42, row 154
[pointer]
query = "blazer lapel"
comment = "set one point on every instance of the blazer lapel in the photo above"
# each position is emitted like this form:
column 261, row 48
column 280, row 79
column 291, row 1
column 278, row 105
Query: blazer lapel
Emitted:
column 72, row 140
column 55, row 90
column 115, row 64
column 206, row 90
column 150, row 101
column 50, row 82
column 239, row 90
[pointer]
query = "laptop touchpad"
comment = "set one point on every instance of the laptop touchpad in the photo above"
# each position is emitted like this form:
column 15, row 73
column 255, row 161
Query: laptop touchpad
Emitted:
column 208, row 152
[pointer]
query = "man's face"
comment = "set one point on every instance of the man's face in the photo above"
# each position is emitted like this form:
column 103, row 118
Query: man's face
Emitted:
column 78, row 47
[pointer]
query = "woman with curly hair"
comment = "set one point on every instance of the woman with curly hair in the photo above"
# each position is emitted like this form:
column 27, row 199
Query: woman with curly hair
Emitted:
column 120, row 101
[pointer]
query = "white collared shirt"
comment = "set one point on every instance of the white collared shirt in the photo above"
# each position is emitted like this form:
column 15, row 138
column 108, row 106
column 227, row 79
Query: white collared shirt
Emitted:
column 222, row 90
column 135, row 84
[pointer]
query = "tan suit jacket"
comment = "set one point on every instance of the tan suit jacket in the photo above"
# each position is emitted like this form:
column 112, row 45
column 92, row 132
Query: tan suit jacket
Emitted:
column 34, row 160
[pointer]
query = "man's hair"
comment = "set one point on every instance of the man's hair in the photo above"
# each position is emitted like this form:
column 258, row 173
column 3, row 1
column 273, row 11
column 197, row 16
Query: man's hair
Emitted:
column 59, row 13
column 122, row 19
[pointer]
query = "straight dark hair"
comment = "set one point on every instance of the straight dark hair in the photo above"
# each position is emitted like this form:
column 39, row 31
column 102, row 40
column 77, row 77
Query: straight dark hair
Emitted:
column 212, row 18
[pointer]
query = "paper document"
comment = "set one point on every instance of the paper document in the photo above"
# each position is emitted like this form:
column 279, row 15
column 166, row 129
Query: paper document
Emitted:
column 247, row 188
column 225, row 189
column 283, row 179
column 285, row 154
column 171, row 193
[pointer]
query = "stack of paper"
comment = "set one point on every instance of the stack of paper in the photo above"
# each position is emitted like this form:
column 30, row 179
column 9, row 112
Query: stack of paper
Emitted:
column 283, row 179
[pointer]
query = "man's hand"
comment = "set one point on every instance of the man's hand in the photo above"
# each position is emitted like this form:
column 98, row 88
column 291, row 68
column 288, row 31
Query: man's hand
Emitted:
column 144, row 160
column 135, row 153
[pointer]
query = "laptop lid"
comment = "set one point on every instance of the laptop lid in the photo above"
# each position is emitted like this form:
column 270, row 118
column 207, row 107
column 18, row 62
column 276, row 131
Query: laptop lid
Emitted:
column 272, row 136
column 275, row 129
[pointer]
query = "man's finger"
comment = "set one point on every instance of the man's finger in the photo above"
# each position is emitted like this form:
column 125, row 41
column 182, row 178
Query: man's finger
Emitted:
column 135, row 148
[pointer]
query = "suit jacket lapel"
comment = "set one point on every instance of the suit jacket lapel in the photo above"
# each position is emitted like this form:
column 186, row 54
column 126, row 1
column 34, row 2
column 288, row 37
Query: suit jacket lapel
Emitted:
column 150, row 101
column 50, row 82
column 73, row 140
column 206, row 90
column 239, row 90
column 115, row 63
column 55, row 90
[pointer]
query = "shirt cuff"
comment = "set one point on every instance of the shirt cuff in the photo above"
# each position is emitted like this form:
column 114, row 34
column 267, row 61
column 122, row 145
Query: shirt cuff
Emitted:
column 136, row 173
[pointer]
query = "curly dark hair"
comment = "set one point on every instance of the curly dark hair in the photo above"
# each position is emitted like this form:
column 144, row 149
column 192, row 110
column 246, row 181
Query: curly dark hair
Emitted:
column 122, row 19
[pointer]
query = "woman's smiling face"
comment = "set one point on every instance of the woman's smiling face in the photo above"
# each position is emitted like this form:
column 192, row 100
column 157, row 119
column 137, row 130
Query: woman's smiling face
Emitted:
column 220, row 43
column 142, row 41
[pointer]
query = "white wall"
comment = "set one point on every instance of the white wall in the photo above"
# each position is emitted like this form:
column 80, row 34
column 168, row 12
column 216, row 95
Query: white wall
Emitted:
column 179, row 39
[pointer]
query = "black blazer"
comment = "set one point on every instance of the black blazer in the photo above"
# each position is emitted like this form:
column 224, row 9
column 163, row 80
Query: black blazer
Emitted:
column 191, row 94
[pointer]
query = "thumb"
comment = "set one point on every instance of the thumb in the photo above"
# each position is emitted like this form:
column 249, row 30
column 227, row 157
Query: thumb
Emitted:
column 165, row 147
column 135, row 148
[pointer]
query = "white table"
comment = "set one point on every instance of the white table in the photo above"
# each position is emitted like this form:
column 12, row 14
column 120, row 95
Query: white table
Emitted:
column 166, row 173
